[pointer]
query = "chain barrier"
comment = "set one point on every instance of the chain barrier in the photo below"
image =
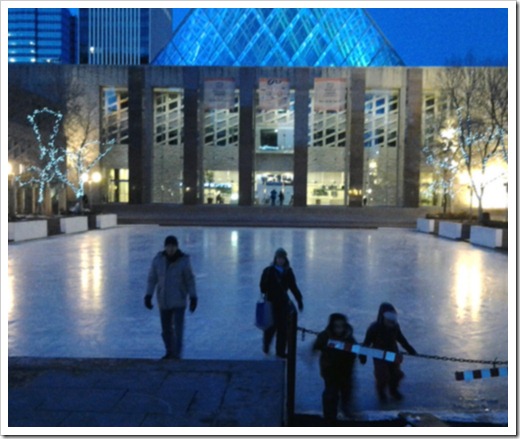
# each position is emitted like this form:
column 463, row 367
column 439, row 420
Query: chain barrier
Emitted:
column 493, row 363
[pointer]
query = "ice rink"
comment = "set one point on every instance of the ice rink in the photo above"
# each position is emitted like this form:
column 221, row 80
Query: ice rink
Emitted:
column 82, row 296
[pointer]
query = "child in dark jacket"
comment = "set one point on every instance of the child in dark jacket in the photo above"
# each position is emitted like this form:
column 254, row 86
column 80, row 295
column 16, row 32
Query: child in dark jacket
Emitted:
column 384, row 334
column 336, row 366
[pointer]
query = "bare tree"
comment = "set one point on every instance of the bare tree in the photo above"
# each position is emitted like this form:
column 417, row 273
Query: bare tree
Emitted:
column 46, row 168
column 477, row 112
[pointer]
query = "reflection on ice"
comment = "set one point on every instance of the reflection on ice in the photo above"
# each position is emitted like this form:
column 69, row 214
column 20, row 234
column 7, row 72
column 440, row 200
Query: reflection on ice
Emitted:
column 91, row 276
column 81, row 296
column 467, row 288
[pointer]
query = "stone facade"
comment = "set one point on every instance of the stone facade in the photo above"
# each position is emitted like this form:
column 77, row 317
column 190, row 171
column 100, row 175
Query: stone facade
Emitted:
column 169, row 150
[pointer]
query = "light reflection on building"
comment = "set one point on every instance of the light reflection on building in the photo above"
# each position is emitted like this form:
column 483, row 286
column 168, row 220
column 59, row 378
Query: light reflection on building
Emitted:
column 468, row 287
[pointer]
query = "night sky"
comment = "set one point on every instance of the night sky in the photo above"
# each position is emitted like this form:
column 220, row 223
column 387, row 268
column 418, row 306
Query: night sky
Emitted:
column 437, row 37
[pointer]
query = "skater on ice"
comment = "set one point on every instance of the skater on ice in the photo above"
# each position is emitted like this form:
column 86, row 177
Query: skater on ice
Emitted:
column 384, row 334
column 172, row 277
column 276, row 281
column 336, row 366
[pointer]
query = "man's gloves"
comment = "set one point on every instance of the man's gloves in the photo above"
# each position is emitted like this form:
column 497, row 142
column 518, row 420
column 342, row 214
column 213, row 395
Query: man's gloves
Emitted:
column 300, row 305
column 363, row 359
column 193, row 304
column 148, row 302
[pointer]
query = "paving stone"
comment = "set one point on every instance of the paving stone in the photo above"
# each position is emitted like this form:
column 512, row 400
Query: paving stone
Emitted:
column 130, row 380
column 35, row 418
column 93, row 419
column 82, row 400
column 146, row 393
column 60, row 378
column 134, row 402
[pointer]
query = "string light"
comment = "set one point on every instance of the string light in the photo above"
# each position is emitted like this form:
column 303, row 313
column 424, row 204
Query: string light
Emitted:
column 51, row 158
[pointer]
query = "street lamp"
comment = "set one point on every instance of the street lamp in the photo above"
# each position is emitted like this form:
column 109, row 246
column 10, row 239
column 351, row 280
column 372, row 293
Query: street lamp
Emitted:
column 9, row 168
column 448, row 133
column 96, row 177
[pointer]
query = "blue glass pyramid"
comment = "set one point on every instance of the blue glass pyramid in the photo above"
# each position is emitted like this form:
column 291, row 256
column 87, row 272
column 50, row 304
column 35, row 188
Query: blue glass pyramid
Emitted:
column 291, row 37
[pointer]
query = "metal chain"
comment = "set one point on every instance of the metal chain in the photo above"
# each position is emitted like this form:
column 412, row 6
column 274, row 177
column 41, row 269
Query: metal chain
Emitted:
column 494, row 362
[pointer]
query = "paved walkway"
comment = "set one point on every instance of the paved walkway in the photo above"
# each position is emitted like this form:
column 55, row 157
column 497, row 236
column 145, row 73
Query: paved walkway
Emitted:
column 144, row 393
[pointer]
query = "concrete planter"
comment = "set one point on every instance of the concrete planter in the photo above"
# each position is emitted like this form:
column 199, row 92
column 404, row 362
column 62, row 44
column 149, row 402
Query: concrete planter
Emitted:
column 452, row 230
column 26, row 230
column 74, row 224
column 426, row 225
column 106, row 221
column 488, row 237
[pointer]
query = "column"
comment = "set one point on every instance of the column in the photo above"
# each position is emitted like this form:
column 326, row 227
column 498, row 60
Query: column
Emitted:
column 246, row 139
column 413, row 137
column 191, row 135
column 140, row 133
column 357, row 132
column 301, row 135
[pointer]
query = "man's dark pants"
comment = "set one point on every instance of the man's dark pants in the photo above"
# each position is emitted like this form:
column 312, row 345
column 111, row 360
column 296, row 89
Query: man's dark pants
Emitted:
column 172, row 323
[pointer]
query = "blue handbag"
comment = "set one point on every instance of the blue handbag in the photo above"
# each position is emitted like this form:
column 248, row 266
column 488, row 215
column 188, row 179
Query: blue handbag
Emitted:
column 264, row 315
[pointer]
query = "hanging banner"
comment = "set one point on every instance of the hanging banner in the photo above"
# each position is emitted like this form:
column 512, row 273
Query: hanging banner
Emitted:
column 329, row 94
column 219, row 93
column 274, row 94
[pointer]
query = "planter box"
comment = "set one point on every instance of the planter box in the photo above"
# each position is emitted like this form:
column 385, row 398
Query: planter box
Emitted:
column 106, row 221
column 488, row 237
column 425, row 225
column 26, row 230
column 74, row 224
column 451, row 230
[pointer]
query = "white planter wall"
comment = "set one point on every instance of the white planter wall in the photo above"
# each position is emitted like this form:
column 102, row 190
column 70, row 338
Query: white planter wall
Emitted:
column 451, row 230
column 74, row 224
column 26, row 230
column 426, row 225
column 487, row 237
column 106, row 221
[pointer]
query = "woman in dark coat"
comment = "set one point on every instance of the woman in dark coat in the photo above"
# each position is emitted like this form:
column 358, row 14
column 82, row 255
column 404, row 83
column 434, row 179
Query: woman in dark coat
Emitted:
column 276, row 281
column 336, row 366
column 384, row 334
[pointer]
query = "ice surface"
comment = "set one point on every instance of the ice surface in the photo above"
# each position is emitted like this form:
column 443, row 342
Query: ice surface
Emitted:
column 82, row 296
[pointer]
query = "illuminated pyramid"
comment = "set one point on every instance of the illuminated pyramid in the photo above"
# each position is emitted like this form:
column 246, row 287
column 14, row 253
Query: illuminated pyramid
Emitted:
column 278, row 37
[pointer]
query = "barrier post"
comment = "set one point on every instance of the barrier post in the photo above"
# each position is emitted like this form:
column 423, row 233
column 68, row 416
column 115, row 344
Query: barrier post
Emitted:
column 291, row 365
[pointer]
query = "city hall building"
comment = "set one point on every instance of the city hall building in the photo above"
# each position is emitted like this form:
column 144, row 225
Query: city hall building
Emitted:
column 313, row 103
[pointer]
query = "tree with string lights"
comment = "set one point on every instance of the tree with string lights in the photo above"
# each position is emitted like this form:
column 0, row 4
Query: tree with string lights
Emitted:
column 48, row 169
column 477, row 114
column 53, row 159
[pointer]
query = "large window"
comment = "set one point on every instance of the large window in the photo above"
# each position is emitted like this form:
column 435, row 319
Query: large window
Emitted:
column 327, row 160
column 381, row 148
column 274, row 164
column 220, row 154
column 168, row 145
column 118, row 186
column 115, row 115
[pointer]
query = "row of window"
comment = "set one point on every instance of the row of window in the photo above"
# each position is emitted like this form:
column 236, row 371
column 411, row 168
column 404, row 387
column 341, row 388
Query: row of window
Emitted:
column 274, row 128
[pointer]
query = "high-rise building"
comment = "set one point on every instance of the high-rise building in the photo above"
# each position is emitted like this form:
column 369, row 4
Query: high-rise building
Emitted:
column 122, row 36
column 41, row 35
column 291, row 37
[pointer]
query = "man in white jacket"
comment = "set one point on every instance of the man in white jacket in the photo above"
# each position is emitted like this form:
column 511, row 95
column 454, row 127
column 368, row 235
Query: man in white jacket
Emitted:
column 172, row 277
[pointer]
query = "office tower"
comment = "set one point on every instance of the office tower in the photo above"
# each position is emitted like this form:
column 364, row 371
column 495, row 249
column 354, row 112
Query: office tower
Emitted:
column 41, row 35
column 122, row 36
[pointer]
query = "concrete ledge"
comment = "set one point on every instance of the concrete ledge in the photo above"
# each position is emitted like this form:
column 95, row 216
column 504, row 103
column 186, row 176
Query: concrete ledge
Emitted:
column 74, row 224
column 26, row 230
column 426, row 225
column 105, row 221
column 452, row 230
column 488, row 237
